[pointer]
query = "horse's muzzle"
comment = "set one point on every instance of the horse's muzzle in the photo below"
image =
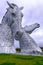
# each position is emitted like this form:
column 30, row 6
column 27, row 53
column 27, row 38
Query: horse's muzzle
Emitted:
column 18, row 35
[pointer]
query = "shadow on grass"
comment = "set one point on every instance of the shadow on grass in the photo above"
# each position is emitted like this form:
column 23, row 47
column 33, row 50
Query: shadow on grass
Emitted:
column 8, row 64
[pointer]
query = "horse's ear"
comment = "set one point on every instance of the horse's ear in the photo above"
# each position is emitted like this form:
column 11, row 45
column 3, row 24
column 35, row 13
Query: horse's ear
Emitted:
column 21, row 8
column 9, row 4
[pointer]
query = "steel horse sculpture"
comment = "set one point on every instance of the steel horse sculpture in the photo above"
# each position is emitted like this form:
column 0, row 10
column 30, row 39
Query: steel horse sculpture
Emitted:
column 11, row 28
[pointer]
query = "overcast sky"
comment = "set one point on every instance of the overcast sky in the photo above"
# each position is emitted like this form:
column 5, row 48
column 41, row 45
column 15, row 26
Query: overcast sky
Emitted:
column 33, row 12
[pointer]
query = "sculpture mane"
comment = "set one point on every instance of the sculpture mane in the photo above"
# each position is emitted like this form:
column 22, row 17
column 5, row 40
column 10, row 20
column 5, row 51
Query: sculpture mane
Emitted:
column 7, row 18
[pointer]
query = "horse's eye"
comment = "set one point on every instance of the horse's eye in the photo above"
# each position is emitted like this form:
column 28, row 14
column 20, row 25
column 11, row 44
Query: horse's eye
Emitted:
column 13, row 14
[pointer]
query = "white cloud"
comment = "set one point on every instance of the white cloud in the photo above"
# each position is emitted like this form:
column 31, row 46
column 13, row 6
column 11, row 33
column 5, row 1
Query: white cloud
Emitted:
column 38, row 36
column 38, row 32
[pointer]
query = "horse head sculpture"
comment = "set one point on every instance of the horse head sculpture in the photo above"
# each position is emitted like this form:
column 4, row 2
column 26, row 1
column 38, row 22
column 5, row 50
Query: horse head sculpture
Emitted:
column 12, row 19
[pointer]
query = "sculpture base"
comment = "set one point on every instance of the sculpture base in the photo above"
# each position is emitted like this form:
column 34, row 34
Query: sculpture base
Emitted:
column 31, row 51
column 7, row 49
column 32, row 54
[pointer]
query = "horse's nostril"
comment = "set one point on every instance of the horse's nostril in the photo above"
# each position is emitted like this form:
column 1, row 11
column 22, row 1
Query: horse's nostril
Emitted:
column 39, row 25
column 17, row 33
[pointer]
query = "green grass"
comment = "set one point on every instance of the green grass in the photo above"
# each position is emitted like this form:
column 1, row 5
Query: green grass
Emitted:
column 12, row 59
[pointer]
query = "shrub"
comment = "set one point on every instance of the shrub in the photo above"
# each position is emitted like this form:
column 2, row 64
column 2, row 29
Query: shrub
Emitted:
column 18, row 50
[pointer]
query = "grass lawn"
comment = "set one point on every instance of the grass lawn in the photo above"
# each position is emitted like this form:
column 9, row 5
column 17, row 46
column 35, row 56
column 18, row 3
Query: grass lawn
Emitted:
column 12, row 59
